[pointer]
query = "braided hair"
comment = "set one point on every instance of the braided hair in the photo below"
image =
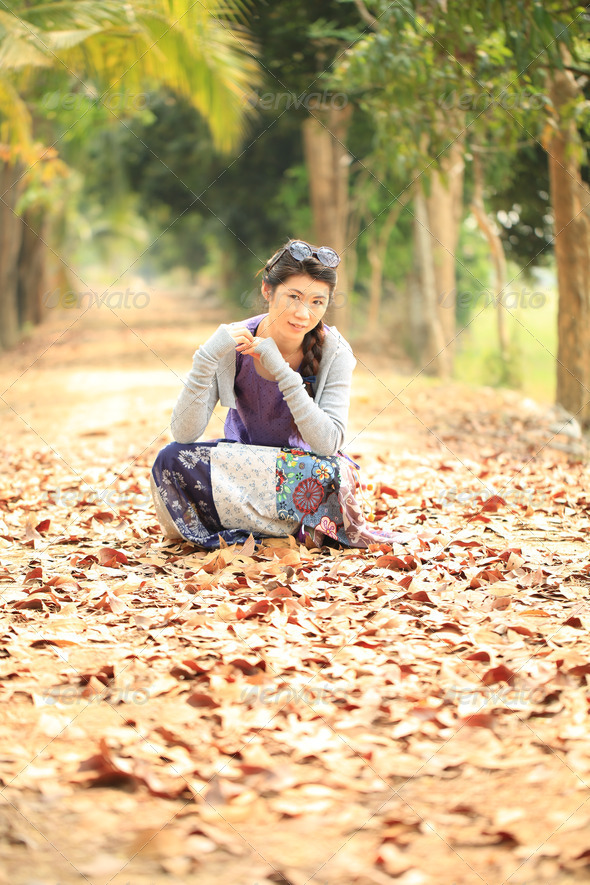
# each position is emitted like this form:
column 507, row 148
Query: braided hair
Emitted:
column 284, row 267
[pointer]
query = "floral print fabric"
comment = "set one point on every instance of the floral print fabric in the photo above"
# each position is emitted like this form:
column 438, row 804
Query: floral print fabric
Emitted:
column 308, row 489
column 228, row 489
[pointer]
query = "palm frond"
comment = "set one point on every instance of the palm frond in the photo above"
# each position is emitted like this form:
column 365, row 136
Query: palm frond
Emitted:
column 77, row 14
column 201, row 50
column 205, row 59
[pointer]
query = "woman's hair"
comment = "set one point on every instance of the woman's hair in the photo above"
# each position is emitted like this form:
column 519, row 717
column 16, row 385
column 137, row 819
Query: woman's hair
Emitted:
column 284, row 267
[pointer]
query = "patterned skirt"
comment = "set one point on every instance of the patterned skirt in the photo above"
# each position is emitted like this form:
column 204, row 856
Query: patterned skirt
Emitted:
column 230, row 490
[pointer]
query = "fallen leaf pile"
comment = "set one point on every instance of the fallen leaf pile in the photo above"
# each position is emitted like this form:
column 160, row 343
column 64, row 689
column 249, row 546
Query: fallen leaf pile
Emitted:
column 271, row 713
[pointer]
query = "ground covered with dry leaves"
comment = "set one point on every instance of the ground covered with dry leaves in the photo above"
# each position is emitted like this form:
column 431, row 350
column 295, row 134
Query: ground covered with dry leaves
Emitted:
column 277, row 714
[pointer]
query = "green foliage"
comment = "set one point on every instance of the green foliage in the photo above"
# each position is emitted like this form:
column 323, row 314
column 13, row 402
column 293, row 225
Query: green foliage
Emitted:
column 200, row 50
column 517, row 195
column 504, row 370
column 189, row 192
column 61, row 66
column 474, row 279
column 521, row 204
column 198, row 202
column 298, row 45
column 431, row 73
column 532, row 344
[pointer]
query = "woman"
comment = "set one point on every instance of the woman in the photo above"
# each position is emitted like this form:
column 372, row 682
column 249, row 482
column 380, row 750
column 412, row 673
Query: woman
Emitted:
column 285, row 376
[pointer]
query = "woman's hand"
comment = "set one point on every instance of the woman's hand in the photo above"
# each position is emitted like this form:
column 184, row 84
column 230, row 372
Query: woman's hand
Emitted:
column 245, row 341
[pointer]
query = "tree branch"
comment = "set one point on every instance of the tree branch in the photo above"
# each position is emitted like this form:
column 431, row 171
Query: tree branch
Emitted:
column 366, row 15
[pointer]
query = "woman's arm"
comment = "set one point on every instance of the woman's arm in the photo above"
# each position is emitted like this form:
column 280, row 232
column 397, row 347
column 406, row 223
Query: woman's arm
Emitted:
column 322, row 424
column 199, row 396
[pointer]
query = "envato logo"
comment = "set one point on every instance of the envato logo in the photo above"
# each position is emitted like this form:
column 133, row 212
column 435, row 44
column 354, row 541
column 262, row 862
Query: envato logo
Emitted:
column 115, row 300
column 70, row 694
column 452, row 497
column 252, row 298
column 311, row 695
column 109, row 497
column 481, row 101
column 313, row 881
column 509, row 300
column 275, row 101
column 130, row 102
column 505, row 696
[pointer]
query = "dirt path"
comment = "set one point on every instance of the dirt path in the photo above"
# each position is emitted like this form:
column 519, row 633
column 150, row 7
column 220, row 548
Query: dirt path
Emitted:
column 416, row 716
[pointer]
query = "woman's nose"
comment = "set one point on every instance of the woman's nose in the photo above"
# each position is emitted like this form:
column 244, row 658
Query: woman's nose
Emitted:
column 302, row 310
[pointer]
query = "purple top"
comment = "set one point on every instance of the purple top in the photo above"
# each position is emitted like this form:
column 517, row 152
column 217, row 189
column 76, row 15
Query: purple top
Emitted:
column 262, row 417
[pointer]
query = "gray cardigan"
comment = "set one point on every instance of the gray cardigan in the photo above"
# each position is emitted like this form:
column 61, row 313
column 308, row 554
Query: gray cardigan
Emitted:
column 321, row 421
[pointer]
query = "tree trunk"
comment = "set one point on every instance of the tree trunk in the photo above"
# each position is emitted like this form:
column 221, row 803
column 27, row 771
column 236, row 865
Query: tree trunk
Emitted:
column 571, row 207
column 414, row 331
column 324, row 137
column 31, row 269
column 496, row 250
column 11, row 228
column 376, row 260
column 445, row 207
column 376, row 252
column 434, row 353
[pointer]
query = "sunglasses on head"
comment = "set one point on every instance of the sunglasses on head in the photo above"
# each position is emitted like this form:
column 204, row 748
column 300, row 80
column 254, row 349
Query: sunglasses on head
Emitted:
column 301, row 250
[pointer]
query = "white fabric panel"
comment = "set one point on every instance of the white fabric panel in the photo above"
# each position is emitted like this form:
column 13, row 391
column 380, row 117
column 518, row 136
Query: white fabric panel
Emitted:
column 244, row 489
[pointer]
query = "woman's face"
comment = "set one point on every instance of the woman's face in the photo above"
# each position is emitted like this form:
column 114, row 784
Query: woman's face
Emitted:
column 296, row 306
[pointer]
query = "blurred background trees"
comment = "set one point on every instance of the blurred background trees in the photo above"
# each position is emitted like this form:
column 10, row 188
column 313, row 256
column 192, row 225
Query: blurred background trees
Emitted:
column 440, row 147
column 68, row 69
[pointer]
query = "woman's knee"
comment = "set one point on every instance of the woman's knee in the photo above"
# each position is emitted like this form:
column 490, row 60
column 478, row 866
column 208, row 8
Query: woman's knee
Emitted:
column 166, row 522
column 167, row 456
